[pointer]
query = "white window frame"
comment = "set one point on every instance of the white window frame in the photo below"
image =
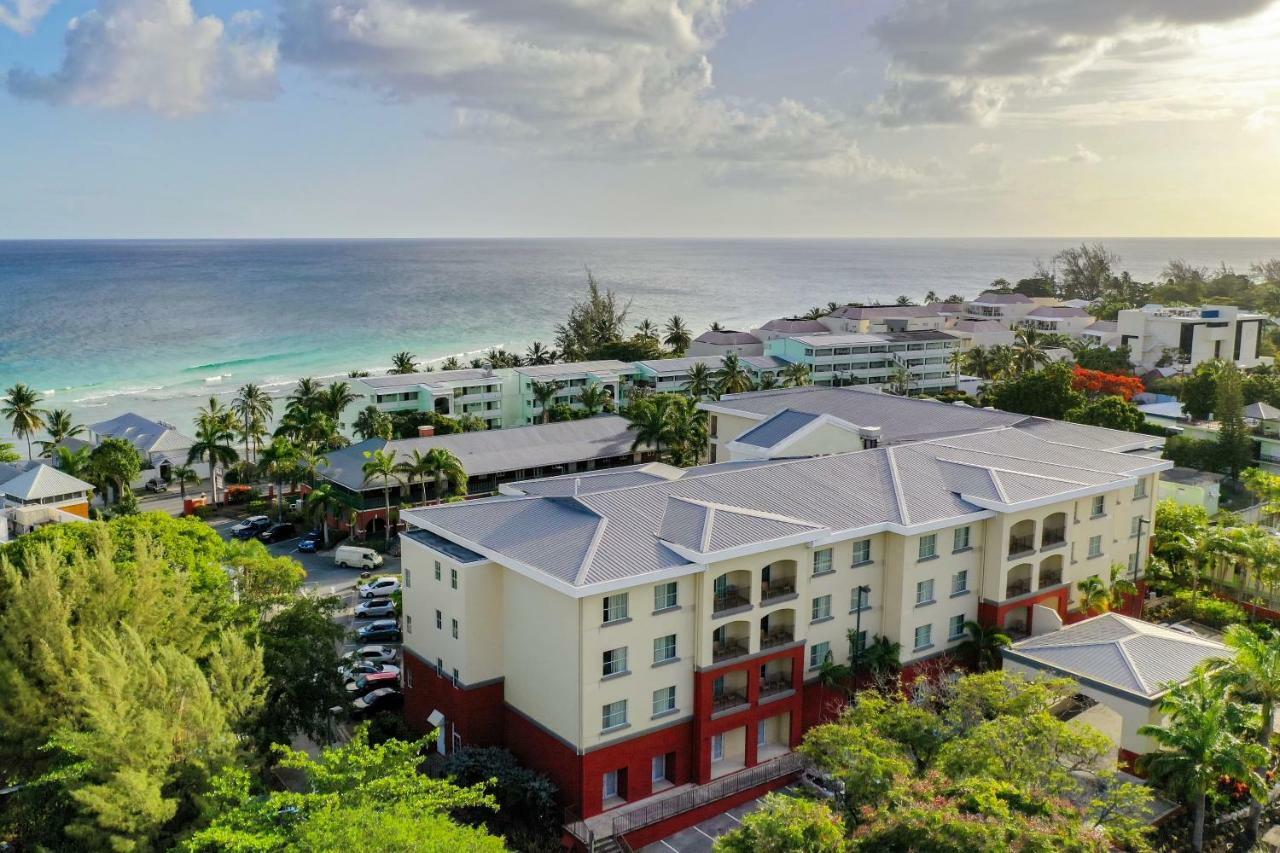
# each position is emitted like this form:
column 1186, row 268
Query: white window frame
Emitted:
column 960, row 538
column 818, row 653
column 455, row 628
column 820, row 608
column 1095, row 547
column 717, row 748
column 822, row 562
column 924, row 591
column 962, row 575
column 666, row 602
column 660, row 644
column 928, row 547
column 613, row 661
column 1098, row 507
column 610, row 604
column 613, row 710
column 928, row 636
column 668, row 700
column 858, row 601
column 610, row 791
column 959, row 629
column 453, row 578
column 861, row 552
column 658, row 768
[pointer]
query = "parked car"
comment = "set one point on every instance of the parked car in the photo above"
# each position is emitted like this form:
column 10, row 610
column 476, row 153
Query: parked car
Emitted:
column 382, row 699
column 371, row 654
column 820, row 784
column 278, row 533
column 386, row 630
column 308, row 546
column 373, row 681
column 156, row 485
column 250, row 527
column 379, row 587
column 355, row 557
column 352, row 671
column 376, row 608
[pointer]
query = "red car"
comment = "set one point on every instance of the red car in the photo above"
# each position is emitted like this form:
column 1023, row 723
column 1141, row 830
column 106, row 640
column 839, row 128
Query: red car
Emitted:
column 372, row 681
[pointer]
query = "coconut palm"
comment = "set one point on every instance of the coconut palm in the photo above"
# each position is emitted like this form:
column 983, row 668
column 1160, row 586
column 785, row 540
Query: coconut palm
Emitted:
column 677, row 337
column 415, row 468
column 356, row 373
column 881, row 656
column 75, row 463
column 214, row 437
column 648, row 418
column 717, row 326
column 648, row 330
column 1094, row 597
column 254, row 409
column 978, row 362
column 1029, row 350
column 381, row 464
column 543, row 393
column 815, row 313
column 595, row 398
column 403, row 362
column 305, row 394
column 20, row 408
column 956, row 361
column 59, row 425
column 732, row 377
column 451, row 363
column 900, row 381
column 983, row 644
column 1198, row 746
column 1003, row 360
column 278, row 462
column 1252, row 675
column 796, row 375
column 318, row 505
column 538, row 353
column 335, row 399
column 447, row 471
column 371, row 423
column 702, row 383
column 686, row 432
column 768, row 381
column 472, row 423
column 184, row 475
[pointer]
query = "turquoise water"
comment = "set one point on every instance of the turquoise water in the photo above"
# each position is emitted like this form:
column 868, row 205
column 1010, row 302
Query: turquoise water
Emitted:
column 157, row 326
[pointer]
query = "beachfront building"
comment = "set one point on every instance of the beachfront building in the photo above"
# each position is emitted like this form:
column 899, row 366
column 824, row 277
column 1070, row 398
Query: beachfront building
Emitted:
column 1103, row 333
column 1007, row 308
column 470, row 391
column 866, row 359
column 981, row 333
column 35, row 494
column 727, row 342
column 616, row 377
column 1066, row 320
column 666, row 375
column 160, row 445
column 874, row 319
column 787, row 326
column 632, row 636
column 1192, row 335
column 490, row 458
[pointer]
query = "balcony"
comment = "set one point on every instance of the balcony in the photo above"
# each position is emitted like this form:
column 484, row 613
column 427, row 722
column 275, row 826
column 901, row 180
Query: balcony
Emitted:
column 725, row 701
column 1015, row 588
column 723, row 650
column 775, row 685
column 727, row 600
column 1051, row 538
column 777, row 637
column 1050, row 577
column 1021, row 545
column 777, row 590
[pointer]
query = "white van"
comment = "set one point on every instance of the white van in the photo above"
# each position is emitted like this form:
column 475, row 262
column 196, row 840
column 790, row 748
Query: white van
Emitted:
column 354, row 557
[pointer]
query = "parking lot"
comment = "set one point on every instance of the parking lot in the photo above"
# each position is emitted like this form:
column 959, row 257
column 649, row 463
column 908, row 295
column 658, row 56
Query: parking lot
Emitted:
column 701, row 837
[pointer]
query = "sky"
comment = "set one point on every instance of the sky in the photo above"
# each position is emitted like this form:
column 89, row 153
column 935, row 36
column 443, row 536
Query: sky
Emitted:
column 683, row 118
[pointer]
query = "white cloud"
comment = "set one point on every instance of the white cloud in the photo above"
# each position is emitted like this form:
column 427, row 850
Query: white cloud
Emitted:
column 21, row 16
column 966, row 61
column 1080, row 155
column 1264, row 118
column 156, row 55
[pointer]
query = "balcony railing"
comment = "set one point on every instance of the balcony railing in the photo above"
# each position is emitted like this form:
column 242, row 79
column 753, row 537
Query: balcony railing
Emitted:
column 777, row 589
column 1016, row 588
column 1019, row 545
column 1051, row 578
column 1053, row 536
column 777, row 637
column 728, row 649
column 774, row 686
column 730, row 599
column 728, row 700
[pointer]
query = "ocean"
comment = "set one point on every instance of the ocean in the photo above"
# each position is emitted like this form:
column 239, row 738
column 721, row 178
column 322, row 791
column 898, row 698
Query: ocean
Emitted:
column 103, row 327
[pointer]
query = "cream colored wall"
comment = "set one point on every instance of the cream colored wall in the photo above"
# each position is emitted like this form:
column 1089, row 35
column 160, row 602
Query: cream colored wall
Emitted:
column 825, row 439
column 1132, row 715
column 907, row 615
column 729, row 427
column 637, row 636
column 541, row 651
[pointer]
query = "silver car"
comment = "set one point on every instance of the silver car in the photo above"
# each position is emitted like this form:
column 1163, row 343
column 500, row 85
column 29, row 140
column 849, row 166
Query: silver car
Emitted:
column 376, row 608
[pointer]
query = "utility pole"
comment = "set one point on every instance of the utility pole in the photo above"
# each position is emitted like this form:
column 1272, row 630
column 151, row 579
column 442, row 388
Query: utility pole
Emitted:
column 1137, row 562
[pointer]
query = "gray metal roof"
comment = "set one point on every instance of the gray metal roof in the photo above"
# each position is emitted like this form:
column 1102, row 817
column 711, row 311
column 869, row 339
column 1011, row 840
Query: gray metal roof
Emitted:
column 1126, row 654
column 776, row 428
column 597, row 481
column 496, row 451
column 888, row 312
column 1261, row 411
column 793, row 326
column 40, row 482
column 433, row 378
column 990, row 297
column 726, row 337
column 143, row 433
column 574, row 367
column 1051, row 312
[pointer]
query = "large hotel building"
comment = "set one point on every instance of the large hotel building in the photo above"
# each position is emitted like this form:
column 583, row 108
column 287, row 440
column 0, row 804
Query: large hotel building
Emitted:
column 641, row 630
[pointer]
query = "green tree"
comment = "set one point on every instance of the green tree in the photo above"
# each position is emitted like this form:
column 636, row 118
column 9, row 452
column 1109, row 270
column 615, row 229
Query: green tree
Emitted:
column 1198, row 745
column 686, row 432
column 20, row 406
column 403, row 363
column 1029, row 350
column 114, row 463
column 76, row 463
column 253, row 409
column 527, row 811
column 1112, row 412
column 796, row 375
column 334, row 399
column 538, row 354
column 593, row 323
column 1200, row 390
column 785, row 825
column 382, row 465
column 319, row 504
column 678, row 336
column 60, row 426
column 732, row 377
column 278, row 462
column 7, row 453
column 982, row 644
column 371, row 423
column 184, row 475
column 1044, row 393
column 647, row 418
column 595, row 398
column 442, row 466
column 1235, row 443
column 543, row 393
column 300, row 661
column 702, row 383
column 213, row 442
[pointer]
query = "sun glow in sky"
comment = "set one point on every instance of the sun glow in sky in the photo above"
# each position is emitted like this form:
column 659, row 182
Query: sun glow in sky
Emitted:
column 639, row 117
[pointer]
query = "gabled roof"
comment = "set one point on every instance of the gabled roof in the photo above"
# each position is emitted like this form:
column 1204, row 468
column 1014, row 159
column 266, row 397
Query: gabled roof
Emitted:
column 990, row 297
column 1103, row 326
column 41, row 482
column 435, row 378
column 726, row 338
column 1051, row 312
column 1120, row 654
column 702, row 528
column 794, row 326
column 572, row 368
column 143, row 433
column 595, row 481
column 1261, row 411
column 776, row 428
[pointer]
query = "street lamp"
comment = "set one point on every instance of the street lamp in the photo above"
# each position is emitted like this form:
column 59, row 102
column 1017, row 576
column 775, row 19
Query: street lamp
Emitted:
column 1137, row 560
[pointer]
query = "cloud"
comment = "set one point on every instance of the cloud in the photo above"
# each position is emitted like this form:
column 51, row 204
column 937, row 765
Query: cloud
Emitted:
column 156, row 55
column 964, row 61
column 21, row 16
column 1264, row 118
column 1080, row 155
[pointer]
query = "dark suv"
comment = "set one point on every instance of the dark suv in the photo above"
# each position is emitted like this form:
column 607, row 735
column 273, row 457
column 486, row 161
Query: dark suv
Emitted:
column 277, row 533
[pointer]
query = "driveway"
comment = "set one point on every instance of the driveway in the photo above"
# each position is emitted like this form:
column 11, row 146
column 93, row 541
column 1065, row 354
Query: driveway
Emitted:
column 701, row 837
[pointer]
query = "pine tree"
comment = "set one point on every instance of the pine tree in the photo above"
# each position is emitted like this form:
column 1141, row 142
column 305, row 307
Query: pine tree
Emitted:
column 1235, row 444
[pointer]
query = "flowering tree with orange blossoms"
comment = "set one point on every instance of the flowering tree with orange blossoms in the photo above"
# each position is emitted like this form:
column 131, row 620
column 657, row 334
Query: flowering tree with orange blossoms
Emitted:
column 1097, row 383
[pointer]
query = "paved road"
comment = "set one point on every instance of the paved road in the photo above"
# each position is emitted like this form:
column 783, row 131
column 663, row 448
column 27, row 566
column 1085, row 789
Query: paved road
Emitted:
column 701, row 837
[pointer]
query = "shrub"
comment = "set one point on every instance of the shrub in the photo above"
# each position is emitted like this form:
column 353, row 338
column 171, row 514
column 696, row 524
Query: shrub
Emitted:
column 526, row 799
column 1206, row 608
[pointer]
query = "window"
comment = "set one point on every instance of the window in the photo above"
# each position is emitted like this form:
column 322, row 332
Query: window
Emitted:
column 453, row 578
column 615, row 662
column 437, row 570
column 658, row 772
column 615, row 607
column 611, row 784
column 457, row 680
column 821, row 608
column 860, row 599
column 924, row 592
column 664, row 649
column 664, row 596
column 1140, row 490
column 717, row 747
column 440, row 667
column 613, row 715
column 960, row 539
column 924, row 636
column 762, row 734
column 1095, row 546
column 439, row 621
column 1099, row 505
column 408, row 578
column 455, row 628
column 861, row 552
column 960, row 582
column 817, row 654
column 1135, row 527
column 928, row 546
column 822, row 561
column 955, row 628
column 408, row 623
column 664, row 700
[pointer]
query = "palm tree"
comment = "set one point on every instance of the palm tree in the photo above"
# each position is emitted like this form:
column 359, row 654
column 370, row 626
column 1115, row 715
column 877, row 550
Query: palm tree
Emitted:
column 983, row 644
column 1003, row 360
column 277, row 462
column 319, row 504
column 1253, row 675
column 768, row 381
column 60, row 426
column 815, row 313
column 900, row 380
column 1121, row 589
column 1198, row 746
column 956, row 360
column 701, row 383
column 213, row 442
column 382, row 464
column 451, row 363
column 371, row 423
column 648, row 417
column 19, row 408
column 716, row 326
column 686, row 432
column 305, row 394
column 978, row 362
column 732, row 377
column 543, row 394
column 595, row 398
column 75, row 463
column 403, row 362
column 416, row 468
column 1094, row 597
column 184, row 475
column 677, row 337
column 1029, row 350
column 648, row 330
column 253, row 407
column 447, row 471
column 881, row 655
column 795, row 375
column 538, row 353
column 335, row 399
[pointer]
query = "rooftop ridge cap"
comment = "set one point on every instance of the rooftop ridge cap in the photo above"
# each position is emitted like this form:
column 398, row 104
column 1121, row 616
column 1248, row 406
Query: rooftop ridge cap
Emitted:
column 1128, row 661
column 942, row 442
column 742, row 510
column 897, row 485
column 708, row 519
column 1021, row 473
column 589, row 557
